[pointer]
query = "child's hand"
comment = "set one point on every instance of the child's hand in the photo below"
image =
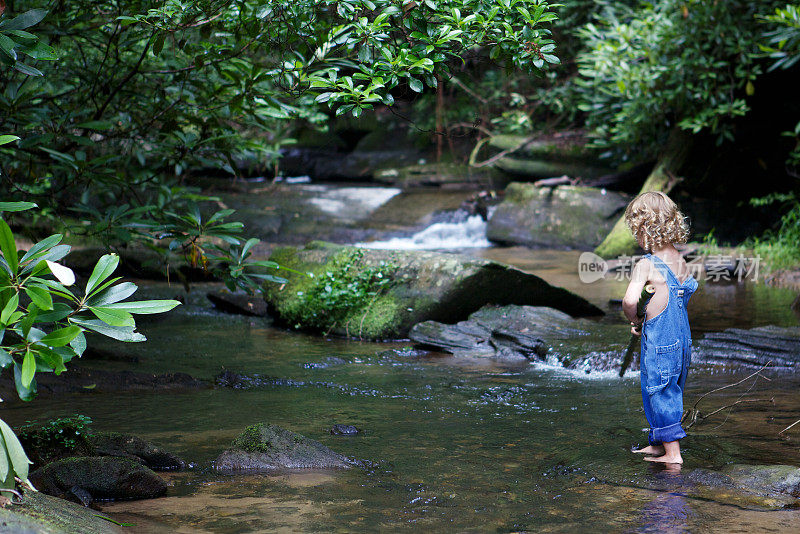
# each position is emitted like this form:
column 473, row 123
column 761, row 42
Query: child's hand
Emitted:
column 636, row 329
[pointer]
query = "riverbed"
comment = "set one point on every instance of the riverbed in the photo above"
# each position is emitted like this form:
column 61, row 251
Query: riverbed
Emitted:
column 447, row 444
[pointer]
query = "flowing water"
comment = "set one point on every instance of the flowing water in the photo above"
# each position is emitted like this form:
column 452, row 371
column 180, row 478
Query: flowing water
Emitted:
column 448, row 444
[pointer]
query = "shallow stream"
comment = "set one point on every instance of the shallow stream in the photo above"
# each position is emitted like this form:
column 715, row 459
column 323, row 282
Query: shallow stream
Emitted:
column 448, row 444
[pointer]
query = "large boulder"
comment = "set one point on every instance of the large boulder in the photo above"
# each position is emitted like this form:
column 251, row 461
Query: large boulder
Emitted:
column 40, row 513
column 562, row 216
column 89, row 478
column 263, row 447
column 738, row 348
column 529, row 333
column 381, row 294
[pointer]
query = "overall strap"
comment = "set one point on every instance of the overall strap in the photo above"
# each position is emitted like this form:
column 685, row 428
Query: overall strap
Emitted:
column 664, row 269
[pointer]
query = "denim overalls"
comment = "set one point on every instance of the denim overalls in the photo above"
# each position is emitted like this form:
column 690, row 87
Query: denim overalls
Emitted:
column 666, row 356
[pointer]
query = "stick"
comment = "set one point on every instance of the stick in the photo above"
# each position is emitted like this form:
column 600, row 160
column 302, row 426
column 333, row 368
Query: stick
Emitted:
column 647, row 293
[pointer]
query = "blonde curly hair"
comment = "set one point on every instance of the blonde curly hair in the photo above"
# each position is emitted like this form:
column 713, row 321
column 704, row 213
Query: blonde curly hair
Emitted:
column 655, row 221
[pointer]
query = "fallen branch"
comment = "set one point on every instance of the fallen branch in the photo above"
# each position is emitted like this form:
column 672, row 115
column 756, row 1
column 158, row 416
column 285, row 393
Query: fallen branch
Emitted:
column 693, row 415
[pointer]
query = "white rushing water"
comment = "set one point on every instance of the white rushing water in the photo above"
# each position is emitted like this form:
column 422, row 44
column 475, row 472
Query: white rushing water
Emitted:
column 467, row 233
column 349, row 203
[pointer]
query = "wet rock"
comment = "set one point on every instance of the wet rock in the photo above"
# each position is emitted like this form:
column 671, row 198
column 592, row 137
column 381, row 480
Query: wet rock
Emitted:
column 102, row 477
column 738, row 348
column 563, row 216
column 134, row 448
column 766, row 479
column 344, row 430
column 265, row 447
column 422, row 286
column 42, row 514
column 528, row 332
column 240, row 304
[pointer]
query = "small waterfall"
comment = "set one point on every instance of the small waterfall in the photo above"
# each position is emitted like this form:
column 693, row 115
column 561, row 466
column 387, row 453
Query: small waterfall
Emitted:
column 451, row 230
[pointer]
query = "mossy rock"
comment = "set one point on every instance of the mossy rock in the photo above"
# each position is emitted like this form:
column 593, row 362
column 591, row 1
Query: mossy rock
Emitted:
column 40, row 513
column 134, row 448
column 423, row 286
column 266, row 447
column 563, row 216
column 99, row 477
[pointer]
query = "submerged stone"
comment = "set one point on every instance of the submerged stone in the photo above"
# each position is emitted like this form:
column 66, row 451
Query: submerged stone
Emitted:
column 101, row 477
column 766, row 479
column 266, row 447
column 418, row 286
column 344, row 430
column 562, row 216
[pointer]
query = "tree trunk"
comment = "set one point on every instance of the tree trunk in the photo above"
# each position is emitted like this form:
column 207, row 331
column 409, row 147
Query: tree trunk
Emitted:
column 663, row 178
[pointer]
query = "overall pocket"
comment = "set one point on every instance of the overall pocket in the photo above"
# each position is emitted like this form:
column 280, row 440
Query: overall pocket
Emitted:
column 669, row 359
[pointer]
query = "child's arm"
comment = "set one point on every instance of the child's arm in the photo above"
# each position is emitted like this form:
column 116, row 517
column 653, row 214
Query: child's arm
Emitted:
column 631, row 298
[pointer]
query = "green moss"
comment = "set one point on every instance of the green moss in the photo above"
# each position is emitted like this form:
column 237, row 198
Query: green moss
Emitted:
column 338, row 292
column 251, row 439
column 618, row 242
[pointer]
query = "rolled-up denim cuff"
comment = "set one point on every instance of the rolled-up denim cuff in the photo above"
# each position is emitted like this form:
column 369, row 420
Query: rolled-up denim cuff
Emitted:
column 667, row 433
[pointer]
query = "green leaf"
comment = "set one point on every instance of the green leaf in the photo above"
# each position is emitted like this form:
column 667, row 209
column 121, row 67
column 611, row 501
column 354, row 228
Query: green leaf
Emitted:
column 59, row 312
column 27, row 69
column 28, row 368
column 144, row 307
column 4, row 140
column 61, row 337
column 125, row 333
column 113, row 317
column 96, row 125
column 5, row 359
column 113, row 294
column 42, row 51
column 43, row 245
column 10, row 307
column 78, row 344
column 24, row 20
column 104, row 268
column 25, row 393
column 158, row 44
column 4, row 462
column 8, row 247
column 19, row 460
column 415, row 84
column 40, row 296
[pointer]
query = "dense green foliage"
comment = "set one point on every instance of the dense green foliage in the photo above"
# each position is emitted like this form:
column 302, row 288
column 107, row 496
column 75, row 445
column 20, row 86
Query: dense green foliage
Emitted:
column 42, row 320
column 135, row 94
column 57, row 435
column 677, row 63
column 345, row 290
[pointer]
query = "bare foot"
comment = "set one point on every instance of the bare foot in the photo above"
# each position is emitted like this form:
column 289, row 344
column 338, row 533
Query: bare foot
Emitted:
column 667, row 459
column 650, row 449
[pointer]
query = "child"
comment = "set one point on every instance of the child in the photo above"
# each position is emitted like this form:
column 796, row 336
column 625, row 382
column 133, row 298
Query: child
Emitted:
column 657, row 224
